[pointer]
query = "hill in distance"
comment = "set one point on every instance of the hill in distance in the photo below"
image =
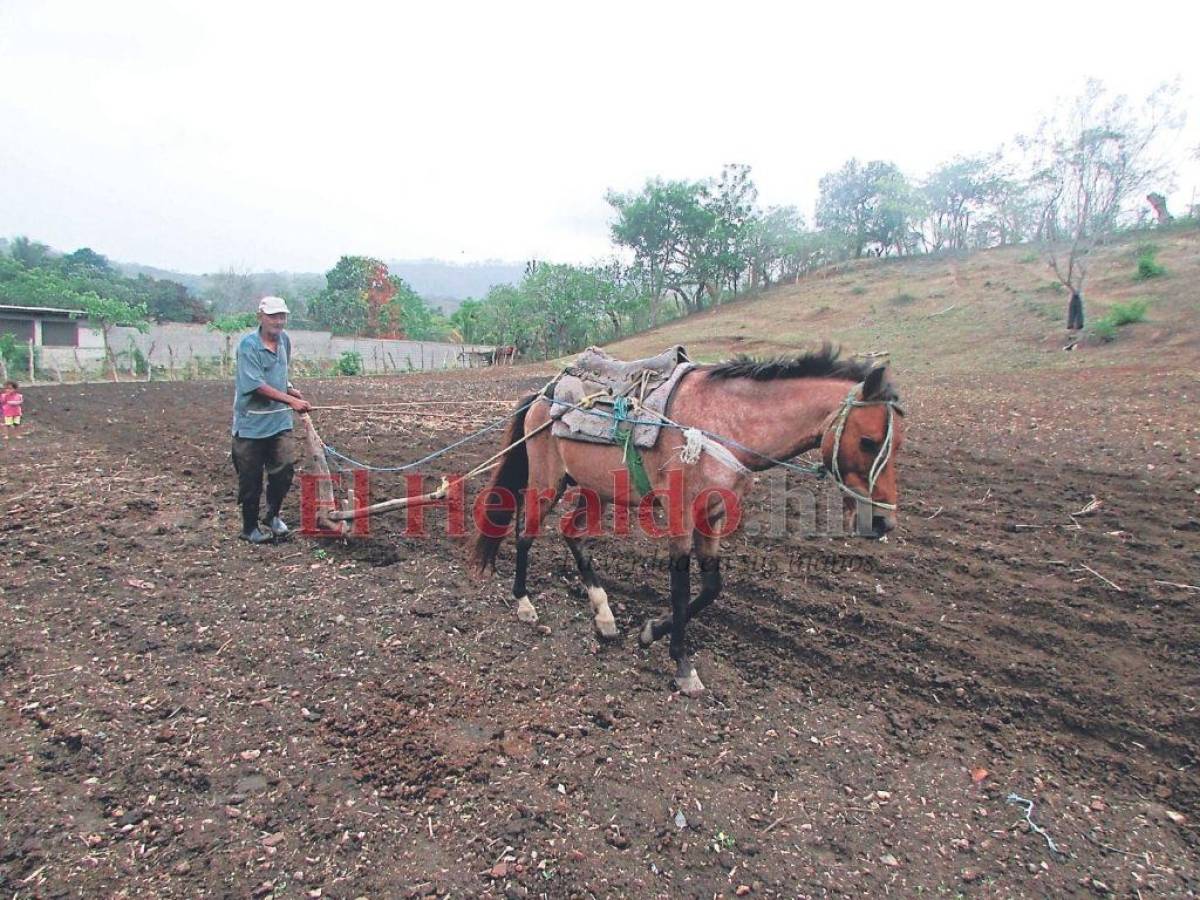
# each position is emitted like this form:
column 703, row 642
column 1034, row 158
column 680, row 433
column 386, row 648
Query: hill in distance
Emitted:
column 987, row 311
column 445, row 285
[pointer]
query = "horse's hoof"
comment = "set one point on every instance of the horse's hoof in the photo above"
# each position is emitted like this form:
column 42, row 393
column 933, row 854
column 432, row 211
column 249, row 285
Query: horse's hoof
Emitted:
column 606, row 628
column 525, row 611
column 646, row 636
column 690, row 685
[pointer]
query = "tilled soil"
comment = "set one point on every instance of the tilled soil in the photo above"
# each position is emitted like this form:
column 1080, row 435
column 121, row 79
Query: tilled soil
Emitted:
column 185, row 715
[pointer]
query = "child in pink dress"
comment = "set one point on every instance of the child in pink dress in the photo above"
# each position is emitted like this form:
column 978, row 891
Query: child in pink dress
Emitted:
column 10, row 405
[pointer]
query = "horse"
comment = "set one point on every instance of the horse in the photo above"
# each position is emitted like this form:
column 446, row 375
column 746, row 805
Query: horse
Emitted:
column 761, row 413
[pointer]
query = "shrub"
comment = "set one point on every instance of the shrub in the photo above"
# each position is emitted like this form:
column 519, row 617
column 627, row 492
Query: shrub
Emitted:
column 1103, row 330
column 1051, row 287
column 1030, row 258
column 902, row 299
column 1147, row 264
column 350, row 363
column 1127, row 313
column 858, row 290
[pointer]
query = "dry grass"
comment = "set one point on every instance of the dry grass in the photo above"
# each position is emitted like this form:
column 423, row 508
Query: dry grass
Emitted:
column 987, row 311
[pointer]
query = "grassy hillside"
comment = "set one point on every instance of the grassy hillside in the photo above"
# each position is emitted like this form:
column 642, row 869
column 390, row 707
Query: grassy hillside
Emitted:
column 995, row 310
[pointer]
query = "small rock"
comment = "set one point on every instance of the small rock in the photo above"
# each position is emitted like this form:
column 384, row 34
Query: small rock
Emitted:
column 339, row 619
column 544, row 629
column 1177, row 818
column 969, row 875
column 499, row 870
column 233, row 812
column 680, row 820
column 616, row 839
column 250, row 755
column 890, row 861
column 1100, row 887
column 182, row 868
column 742, row 890
column 883, row 796
column 274, row 840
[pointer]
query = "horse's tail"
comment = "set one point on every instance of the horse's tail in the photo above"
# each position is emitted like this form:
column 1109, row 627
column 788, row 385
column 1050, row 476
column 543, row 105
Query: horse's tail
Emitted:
column 512, row 475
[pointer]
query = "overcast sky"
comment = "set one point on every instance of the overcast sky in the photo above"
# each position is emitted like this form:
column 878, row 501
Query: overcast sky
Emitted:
column 273, row 136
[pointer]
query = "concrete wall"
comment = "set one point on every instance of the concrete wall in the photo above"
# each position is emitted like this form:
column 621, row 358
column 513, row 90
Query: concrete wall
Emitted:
column 179, row 343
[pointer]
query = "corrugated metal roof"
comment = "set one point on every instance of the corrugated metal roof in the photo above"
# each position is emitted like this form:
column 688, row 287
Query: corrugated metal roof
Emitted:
column 41, row 310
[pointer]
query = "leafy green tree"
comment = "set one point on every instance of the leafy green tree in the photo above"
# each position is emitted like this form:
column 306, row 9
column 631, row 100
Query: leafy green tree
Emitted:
column 669, row 228
column 108, row 313
column 28, row 253
column 229, row 325
column 467, row 321
column 86, row 258
column 866, row 204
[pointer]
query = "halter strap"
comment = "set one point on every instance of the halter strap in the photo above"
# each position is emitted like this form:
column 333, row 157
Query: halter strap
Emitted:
column 881, row 458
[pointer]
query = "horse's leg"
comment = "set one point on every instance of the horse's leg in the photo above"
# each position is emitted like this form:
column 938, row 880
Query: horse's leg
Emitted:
column 545, row 486
column 708, row 554
column 686, row 678
column 606, row 625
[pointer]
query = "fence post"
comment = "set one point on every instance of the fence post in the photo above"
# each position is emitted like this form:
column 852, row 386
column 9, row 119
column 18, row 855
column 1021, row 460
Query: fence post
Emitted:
column 31, row 361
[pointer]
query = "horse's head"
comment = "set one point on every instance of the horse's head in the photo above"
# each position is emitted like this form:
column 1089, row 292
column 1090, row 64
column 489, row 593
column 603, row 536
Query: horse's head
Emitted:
column 859, row 449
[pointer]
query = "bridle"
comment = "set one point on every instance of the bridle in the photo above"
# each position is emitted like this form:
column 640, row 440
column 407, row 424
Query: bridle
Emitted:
column 881, row 458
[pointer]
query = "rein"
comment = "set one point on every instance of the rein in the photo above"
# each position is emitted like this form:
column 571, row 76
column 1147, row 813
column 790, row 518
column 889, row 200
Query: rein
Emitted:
column 881, row 458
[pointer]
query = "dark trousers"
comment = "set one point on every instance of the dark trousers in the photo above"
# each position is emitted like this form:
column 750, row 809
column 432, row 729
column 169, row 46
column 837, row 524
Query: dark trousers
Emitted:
column 253, row 456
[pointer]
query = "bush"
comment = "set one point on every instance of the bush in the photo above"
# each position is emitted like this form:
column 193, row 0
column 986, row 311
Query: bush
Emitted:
column 858, row 290
column 1147, row 265
column 1128, row 313
column 902, row 299
column 1030, row 258
column 350, row 363
column 1103, row 330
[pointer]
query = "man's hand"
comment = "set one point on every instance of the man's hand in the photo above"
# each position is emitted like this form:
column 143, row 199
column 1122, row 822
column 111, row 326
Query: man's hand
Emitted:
column 299, row 404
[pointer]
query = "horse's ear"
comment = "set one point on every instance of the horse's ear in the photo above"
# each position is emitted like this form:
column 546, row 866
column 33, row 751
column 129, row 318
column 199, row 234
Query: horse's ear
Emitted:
column 873, row 386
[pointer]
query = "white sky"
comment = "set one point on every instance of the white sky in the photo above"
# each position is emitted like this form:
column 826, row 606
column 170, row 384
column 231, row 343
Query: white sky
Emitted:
column 264, row 135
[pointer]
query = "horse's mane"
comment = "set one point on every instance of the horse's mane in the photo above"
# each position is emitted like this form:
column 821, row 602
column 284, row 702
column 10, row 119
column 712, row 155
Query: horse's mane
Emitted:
column 823, row 363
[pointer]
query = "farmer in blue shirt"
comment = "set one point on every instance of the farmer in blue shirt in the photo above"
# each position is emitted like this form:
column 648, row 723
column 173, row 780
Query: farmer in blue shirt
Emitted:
column 263, row 402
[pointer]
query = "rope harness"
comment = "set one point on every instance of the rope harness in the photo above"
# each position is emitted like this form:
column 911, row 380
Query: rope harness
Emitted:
column 625, row 414
column 882, row 457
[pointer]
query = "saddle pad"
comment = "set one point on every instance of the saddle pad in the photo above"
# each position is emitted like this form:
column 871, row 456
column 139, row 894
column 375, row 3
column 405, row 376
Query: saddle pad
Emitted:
column 585, row 425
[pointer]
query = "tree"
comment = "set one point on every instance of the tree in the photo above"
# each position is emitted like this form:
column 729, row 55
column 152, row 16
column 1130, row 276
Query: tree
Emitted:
column 230, row 291
column 28, row 253
column 866, row 204
column 668, row 228
column 467, row 321
column 956, row 196
column 1090, row 160
column 86, row 258
column 229, row 325
column 108, row 313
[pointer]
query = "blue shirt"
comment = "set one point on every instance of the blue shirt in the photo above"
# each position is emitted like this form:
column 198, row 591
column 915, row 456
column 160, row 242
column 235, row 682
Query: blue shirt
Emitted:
column 256, row 366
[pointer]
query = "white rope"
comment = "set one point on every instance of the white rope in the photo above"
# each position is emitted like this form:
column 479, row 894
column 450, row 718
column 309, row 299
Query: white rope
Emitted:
column 689, row 454
column 697, row 442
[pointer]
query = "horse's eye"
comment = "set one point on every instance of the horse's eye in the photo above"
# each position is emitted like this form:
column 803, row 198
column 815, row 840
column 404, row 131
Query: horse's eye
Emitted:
column 868, row 446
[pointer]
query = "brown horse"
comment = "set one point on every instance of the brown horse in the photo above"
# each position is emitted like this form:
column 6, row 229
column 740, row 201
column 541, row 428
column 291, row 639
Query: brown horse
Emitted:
column 746, row 416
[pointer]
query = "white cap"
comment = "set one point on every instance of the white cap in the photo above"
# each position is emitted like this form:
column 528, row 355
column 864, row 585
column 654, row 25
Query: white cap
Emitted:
column 272, row 305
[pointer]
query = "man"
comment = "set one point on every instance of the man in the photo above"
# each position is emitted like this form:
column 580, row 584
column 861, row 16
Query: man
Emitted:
column 263, row 402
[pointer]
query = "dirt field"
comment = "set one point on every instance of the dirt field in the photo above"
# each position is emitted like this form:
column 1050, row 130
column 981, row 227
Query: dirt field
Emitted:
column 184, row 715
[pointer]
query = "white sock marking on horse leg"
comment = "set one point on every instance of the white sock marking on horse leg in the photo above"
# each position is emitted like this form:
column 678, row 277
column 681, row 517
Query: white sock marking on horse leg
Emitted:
column 605, row 623
column 525, row 611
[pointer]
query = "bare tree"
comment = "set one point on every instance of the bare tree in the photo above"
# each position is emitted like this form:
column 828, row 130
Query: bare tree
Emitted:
column 1090, row 161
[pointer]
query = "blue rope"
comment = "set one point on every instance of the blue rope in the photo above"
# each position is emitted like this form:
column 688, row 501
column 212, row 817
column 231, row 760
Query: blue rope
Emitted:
column 620, row 415
column 330, row 451
column 808, row 469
